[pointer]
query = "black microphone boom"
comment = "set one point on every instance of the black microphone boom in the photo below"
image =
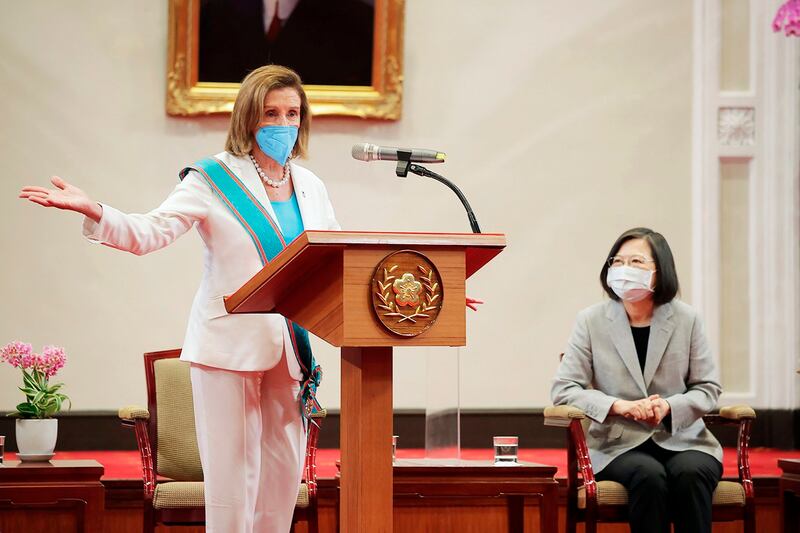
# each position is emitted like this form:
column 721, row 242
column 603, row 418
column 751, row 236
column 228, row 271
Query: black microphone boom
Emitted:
column 405, row 159
column 373, row 152
column 419, row 170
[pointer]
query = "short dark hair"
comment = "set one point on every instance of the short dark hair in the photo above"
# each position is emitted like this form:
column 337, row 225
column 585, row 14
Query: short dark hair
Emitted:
column 667, row 286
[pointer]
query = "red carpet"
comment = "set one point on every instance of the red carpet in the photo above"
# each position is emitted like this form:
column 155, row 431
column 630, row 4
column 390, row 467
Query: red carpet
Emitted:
column 126, row 465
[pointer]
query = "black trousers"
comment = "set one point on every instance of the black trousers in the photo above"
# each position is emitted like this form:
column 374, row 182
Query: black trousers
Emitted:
column 666, row 486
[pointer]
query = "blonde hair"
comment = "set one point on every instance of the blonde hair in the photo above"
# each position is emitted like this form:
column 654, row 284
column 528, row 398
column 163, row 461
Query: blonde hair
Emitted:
column 249, row 107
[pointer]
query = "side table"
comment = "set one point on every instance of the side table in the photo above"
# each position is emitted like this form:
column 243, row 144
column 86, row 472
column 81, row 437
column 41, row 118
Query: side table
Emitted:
column 419, row 480
column 443, row 478
column 56, row 495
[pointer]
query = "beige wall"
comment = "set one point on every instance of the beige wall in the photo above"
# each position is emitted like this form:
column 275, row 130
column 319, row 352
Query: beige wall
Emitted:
column 564, row 123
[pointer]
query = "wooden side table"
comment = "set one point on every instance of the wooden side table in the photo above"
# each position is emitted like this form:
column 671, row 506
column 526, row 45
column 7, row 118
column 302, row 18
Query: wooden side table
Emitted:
column 420, row 480
column 790, row 495
column 437, row 479
column 63, row 495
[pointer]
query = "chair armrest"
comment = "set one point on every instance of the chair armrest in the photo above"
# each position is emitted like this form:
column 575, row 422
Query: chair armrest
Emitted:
column 138, row 418
column 562, row 415
column 743, row 417
column 310, row 466
column 133, row 412
column 579, row 464
column 737, row 412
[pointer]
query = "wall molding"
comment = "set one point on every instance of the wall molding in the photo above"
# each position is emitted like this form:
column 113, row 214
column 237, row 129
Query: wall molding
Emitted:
column 736, row 126
column 101, row 430
column 759, row 125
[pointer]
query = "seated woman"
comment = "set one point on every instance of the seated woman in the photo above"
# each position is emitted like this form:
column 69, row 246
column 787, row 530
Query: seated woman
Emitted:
column 644, row 357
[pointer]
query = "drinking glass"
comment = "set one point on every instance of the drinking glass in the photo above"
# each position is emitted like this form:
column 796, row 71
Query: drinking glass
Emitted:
column 505, row 450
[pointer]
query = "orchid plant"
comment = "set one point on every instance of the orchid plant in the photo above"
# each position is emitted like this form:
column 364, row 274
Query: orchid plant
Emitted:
column 42, row 400
column 788, row 18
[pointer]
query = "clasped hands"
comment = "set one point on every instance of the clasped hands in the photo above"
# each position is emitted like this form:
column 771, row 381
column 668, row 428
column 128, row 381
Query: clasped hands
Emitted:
column 650, row 410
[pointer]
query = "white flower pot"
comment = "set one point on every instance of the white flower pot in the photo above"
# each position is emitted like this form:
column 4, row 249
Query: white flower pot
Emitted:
column 36, row 436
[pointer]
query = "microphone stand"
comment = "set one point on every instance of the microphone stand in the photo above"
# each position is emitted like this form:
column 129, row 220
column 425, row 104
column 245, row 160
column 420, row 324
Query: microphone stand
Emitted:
column 404, row 166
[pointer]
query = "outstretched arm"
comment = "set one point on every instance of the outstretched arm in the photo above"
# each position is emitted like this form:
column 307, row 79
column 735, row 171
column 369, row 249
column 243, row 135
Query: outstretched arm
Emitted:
column 139, row 234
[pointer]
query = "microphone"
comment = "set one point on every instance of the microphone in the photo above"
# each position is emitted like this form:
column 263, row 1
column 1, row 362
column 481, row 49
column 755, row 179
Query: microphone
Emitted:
column 406, row 157
column 373, row 152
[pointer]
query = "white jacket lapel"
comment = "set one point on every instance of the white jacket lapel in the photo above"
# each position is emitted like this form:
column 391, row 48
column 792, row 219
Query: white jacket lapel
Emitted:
column 303, row 195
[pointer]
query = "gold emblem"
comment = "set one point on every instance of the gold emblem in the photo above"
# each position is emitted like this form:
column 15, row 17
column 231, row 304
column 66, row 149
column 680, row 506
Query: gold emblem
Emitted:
column 406, row 290
column 406, row 293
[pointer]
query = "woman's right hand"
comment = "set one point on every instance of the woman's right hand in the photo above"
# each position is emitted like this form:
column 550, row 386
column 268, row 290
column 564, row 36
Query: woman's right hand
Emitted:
column 64, row 196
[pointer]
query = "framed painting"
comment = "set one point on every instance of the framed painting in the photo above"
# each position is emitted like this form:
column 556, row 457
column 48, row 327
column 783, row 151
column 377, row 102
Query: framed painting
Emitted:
column 349, row 53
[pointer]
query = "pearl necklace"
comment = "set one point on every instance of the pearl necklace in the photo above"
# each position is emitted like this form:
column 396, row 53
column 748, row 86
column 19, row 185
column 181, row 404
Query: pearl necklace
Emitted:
column 269, row 181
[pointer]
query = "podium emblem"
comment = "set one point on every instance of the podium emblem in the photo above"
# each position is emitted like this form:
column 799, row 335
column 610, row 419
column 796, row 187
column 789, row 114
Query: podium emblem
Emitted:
column 406, row 293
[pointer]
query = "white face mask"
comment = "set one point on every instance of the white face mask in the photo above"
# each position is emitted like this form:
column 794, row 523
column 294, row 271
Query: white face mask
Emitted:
column 630, row 284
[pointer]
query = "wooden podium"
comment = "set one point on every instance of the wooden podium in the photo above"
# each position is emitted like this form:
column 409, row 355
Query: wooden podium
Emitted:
column 366, row 292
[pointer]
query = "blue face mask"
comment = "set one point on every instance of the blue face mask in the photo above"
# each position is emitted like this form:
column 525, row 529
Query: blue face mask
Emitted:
column 277, row 141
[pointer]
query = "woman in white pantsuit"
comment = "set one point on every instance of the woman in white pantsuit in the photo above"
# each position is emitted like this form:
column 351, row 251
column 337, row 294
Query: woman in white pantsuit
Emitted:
column 247, row 370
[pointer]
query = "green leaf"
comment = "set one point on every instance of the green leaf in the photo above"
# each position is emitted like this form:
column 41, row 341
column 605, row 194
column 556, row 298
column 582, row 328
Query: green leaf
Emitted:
column 28, row 380
column 49, row 401
column 38, row 397
column 26, row 409
column 54, row 388
column 28, row 391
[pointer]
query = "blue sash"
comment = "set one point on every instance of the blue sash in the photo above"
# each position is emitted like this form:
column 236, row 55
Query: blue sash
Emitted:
column 269, row 242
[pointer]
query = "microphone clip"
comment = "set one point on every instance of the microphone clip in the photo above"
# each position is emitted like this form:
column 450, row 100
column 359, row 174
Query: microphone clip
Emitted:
column 403, row 163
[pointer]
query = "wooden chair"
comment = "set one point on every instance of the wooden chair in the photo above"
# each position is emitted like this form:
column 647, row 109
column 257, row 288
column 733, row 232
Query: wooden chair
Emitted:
column 592, row 501
column 165, row 435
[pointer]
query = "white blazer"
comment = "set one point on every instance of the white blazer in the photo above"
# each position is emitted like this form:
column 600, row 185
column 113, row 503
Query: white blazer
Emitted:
column 213, row 337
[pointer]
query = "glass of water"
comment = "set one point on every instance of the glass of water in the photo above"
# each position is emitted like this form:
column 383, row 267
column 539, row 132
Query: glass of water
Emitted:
column 505, row 450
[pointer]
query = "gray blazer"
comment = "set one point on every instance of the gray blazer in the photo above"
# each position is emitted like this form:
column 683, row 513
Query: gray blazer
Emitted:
column 600, row 366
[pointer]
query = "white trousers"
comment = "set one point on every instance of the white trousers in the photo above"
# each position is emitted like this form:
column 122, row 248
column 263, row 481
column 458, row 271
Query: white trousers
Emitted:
column 252, row 446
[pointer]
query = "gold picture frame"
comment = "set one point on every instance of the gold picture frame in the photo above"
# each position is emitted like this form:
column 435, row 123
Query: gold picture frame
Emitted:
column 186, row 96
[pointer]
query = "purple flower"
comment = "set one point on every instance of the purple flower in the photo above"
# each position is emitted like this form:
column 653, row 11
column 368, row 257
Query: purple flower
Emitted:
column 52, row 360
column 21, row 355
column 788, row 18
column 16, row 353
column 29, row 360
